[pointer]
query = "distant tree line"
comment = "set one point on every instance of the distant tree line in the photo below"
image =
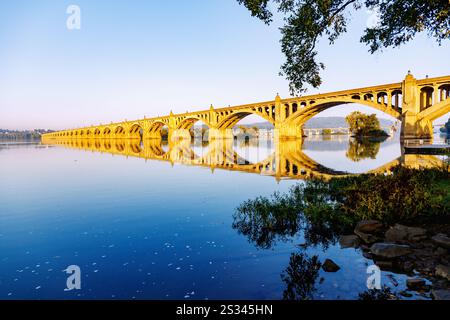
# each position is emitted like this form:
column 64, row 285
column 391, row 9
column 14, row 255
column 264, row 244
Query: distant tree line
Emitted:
column 22, row 135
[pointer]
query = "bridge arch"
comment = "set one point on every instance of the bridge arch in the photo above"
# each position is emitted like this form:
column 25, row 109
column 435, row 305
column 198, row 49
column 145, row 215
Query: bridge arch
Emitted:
column 119, row 146
column 97, row 132
column 444, row 92
column 136, row 131
column 107, row 132
column 154, row 149
column 426, row 97
column 305, row 114
column 189, row 122
column 135, row 147
column 155, row 129
column 228, row 119
column 119, row 132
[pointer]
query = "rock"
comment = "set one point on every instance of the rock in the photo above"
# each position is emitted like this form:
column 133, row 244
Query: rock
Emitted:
column 406, row 294
column 402, row 233
column 385, row 265
column 416, row 284
column 389, row 250
column 367, row 238
column 442, row 271
column 369, row 227
column 330, row 266
column 351, row 241
column 441, row 251
column 441, row 294
column 406, row 266
column 442, row 240
column 367, row 255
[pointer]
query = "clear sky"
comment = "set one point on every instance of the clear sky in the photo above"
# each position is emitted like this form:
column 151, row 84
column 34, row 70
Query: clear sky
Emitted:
column 147, row 57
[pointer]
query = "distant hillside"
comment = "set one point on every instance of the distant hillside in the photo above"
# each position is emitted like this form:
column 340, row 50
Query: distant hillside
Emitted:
column 321, row 123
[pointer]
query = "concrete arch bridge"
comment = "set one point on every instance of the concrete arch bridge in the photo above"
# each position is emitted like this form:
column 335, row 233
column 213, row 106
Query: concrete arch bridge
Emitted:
column 416, row 103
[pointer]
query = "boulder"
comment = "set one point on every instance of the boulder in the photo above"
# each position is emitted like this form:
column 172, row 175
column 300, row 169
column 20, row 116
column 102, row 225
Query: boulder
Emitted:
column 441, row 251
column 367, row 238
column 416, row 284
column 441, row 294
column 442, row 271
column 330, row 266
column 406, row 294
column 369, row 227
column 385, row 265
column 442, row 240
column 351, row 241
column 389, row 250
column 400, row 233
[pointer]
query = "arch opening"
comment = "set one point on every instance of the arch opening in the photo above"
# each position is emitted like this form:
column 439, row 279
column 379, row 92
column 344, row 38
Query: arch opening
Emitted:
column 107, row 132
column 136, row 132
column 305, row 114
column 97, row 133
column 120, row 133
column 441, row 129
column 329, row 122
column 444, row 92
column 426, row 97
column 158, row 130
column 251, row 127
column 199, row 131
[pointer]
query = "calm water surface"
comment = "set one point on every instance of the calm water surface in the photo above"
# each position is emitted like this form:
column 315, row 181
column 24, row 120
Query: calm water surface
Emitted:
column 157, row 229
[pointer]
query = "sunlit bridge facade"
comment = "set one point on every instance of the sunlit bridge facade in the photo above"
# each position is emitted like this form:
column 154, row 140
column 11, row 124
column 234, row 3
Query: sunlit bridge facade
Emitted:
column 414, row 103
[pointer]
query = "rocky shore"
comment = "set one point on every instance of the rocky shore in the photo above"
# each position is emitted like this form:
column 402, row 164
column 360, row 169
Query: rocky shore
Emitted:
column 421, row 252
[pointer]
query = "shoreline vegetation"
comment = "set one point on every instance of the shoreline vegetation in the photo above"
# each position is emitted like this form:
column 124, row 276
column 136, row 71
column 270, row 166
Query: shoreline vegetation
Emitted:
column 12, row 135
column 403, row 227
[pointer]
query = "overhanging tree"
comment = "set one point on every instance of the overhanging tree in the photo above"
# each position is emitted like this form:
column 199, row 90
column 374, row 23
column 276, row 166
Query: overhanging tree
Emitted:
column 307, row 21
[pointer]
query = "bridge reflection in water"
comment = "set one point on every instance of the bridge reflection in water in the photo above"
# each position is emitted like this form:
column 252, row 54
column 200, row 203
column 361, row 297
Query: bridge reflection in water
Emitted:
column 285, row 160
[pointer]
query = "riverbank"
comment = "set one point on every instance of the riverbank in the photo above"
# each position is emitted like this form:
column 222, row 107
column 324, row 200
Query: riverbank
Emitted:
column 420, row 251
column 399, row 221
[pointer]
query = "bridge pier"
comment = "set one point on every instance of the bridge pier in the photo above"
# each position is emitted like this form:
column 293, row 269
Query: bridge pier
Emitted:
column 151, row 136
column 413, row 128
column 288, row 132
column 179, row 134
column 220, row 134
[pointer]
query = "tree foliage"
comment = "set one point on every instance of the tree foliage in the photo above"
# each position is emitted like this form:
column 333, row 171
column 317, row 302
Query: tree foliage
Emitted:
column 307, row 21
column 363, row 125
column 323, row 210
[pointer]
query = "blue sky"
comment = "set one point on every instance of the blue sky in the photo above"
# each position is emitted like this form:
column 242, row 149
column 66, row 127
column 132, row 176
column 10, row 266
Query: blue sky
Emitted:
column 136, row 58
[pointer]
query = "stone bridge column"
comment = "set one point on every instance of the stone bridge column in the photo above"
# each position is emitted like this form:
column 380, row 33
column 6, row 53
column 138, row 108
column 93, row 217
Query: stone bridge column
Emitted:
column 412, row 127
column 283, row 129
column 179, row 134
column 220, row 134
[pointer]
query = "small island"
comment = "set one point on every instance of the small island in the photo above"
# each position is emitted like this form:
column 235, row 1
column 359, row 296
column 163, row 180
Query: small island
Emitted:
column 365, row 127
